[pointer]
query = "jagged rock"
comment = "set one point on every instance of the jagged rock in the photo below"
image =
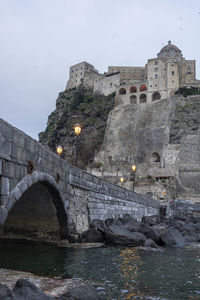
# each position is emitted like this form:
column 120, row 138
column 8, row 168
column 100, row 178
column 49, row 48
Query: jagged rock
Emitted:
column 94, row 236
column 150, row 233
column 130, row 223
column 5, row 293
column 118, row 235
column 150, row 243
column 151, row 220
column 80, row 293
column 172, row 237
column 25, row 290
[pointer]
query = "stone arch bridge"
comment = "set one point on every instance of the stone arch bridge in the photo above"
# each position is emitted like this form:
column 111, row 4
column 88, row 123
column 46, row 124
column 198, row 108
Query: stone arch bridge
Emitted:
column 42, row 196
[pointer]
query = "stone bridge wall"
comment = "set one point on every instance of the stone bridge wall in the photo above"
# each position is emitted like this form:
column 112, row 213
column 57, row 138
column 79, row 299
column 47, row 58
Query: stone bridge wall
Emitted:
column 24, row 162
column 183, row 209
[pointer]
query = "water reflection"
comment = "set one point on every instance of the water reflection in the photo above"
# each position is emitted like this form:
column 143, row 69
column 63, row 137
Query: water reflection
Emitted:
column 117, row 273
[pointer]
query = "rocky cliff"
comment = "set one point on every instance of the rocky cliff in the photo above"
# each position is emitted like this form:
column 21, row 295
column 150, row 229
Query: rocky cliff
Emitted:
column 87, row 109
column 162, row 138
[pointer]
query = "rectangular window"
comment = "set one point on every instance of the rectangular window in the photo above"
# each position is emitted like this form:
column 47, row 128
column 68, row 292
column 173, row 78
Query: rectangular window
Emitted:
column 156, row 76
column 172, row 73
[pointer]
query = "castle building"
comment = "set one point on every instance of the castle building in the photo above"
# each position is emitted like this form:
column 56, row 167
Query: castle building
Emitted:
column 158, row 79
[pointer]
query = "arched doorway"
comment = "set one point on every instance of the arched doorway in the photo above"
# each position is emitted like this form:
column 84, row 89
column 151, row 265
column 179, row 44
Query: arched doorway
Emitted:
column 155, row 157
column 156, row 96
column 122, row 91
column 133, row 99
column 39, row 213
column 143, row 98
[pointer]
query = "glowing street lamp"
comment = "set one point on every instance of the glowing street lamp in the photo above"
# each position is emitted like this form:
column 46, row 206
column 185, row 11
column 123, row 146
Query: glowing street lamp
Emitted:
column 77, row 130
column 133, row 169
column 122, row 180
column 59, row 150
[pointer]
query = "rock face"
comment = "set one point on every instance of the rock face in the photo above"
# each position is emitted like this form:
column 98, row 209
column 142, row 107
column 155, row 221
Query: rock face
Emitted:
column 162, row 138
column 87, row 109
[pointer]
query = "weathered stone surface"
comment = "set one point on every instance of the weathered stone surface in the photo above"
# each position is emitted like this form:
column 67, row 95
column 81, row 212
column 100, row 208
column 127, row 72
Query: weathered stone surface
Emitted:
column 150, row 243
column 78, row 196
column 5, row 293
column 24, row 290
column 172, row 237
column 122, row 237
column 3, row 214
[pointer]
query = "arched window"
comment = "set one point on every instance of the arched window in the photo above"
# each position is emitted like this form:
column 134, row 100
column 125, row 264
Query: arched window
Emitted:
column 133, row 89
column 189, row 70
column 156, row 96
column 155, row 157
column 133, row 99
column 122, row 91
column 143, row 98
column 143, row 88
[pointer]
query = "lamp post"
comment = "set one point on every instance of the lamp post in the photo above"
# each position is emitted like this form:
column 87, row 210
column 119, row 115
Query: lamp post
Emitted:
column 122, row 180
column 133, row 169
column 59, row 150
column 77, row 130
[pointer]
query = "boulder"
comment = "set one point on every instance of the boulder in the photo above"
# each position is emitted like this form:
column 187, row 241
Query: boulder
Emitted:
column 94, row 236
column 151, row 220
column 172, row 237
column 24, row 290
column 5, row 292
column 150, row 233
column 149, row 243
column 129, row 223
column 80, row 293
column 117, row 235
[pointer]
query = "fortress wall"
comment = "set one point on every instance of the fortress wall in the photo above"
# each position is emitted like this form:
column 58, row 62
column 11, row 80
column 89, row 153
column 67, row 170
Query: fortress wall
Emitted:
column 134, row 132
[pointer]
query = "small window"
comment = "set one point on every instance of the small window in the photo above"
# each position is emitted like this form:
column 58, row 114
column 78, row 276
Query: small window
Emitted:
column 72, row 71
column 172, row 65
column 81, row 73
column 155, row 85
column 156, row 70
column 189, row 70
column 110, row 84
column 151, row 85
column 156, row 76
column 156, row 62
column 173, row 73
column 172, row 81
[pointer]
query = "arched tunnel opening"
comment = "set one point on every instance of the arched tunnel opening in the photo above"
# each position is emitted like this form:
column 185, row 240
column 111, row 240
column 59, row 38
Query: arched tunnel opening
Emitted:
column 38, row 214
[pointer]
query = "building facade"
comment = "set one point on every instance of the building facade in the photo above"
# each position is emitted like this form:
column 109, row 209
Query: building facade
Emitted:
column 158, row 79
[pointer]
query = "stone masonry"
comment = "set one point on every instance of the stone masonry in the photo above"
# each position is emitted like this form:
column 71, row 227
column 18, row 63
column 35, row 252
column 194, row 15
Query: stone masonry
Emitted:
column 77, row 196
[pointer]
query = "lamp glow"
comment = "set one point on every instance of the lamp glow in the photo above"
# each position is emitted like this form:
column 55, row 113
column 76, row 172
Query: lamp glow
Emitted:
column 77, row 129
column 59, row 150
column 134, row 168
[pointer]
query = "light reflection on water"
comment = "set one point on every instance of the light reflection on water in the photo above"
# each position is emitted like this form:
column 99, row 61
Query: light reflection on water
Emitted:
column 117, row 273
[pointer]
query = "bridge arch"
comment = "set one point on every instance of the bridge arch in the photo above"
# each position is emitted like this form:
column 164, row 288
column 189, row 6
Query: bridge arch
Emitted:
column 36, row 208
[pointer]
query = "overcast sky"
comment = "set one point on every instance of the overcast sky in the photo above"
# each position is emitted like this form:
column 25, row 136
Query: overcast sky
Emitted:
column 41, row 39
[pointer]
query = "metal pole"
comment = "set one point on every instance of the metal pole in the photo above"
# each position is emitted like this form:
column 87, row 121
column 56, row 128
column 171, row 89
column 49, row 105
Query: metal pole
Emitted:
column 133, row 181
column 76, row 151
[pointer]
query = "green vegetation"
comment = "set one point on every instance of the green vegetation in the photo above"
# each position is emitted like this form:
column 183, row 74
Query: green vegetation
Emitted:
column 90, row 111
column 187, row 91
